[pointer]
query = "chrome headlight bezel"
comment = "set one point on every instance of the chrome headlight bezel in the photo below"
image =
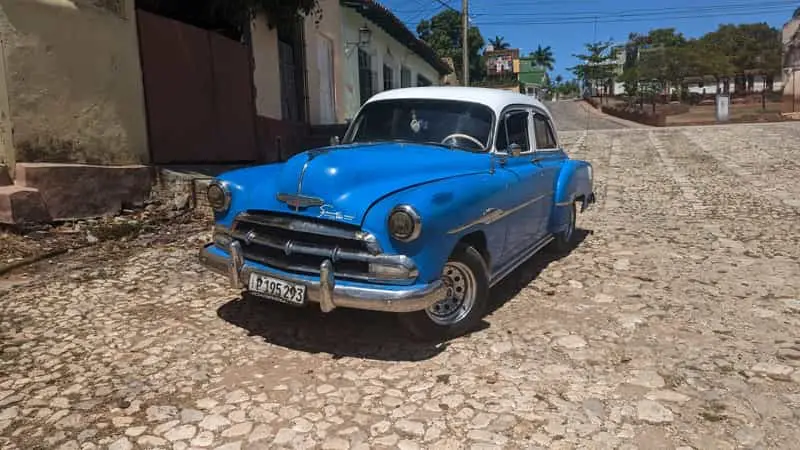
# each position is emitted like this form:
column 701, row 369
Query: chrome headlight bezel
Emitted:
column 409, row 213
column 226, row 196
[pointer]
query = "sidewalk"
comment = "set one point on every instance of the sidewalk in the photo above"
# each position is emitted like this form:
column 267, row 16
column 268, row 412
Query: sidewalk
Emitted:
column 626, row 123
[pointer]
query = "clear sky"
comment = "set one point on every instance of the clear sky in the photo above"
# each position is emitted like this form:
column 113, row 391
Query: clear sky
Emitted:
column 565, row 25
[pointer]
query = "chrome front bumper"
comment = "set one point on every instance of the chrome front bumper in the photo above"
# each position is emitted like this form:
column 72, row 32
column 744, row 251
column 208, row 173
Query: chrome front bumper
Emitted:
column 325, row 291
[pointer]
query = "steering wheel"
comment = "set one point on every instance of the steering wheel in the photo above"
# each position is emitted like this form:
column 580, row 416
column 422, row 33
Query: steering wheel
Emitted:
column 465, row 136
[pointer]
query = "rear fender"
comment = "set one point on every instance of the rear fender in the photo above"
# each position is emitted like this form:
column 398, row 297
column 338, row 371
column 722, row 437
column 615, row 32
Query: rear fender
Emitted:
column 574, row 183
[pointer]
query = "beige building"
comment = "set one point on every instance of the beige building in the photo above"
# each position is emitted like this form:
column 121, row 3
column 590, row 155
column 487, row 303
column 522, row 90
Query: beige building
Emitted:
column 791, row 64
column 357, row 49
column 101, row 90
column 71, row 88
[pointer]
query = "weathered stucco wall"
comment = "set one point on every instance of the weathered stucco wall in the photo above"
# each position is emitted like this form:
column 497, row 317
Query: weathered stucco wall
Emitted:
column 791, row 66
column 266, row 73
column 74, row 81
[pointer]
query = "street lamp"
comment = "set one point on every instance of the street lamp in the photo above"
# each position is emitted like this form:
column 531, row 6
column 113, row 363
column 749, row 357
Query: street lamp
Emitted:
column 364, row 39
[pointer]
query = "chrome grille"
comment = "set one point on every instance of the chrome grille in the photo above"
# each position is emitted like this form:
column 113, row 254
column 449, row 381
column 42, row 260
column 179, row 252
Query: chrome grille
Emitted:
column 300, row 245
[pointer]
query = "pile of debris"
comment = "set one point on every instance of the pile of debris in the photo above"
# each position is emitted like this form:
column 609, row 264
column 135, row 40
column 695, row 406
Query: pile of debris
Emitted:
column 159, row 218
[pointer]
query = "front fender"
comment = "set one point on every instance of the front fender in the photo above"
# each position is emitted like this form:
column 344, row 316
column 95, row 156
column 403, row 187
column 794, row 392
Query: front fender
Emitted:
column 242, row 183
column 444, row 206
column 574, row 182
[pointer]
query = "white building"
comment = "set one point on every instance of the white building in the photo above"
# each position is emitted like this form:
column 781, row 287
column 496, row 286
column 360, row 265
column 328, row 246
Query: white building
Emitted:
column 380, row 53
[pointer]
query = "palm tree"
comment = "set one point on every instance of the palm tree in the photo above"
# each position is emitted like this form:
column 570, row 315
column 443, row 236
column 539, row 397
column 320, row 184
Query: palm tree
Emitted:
column 544, row 57
column 499, row 43
column 559, row 79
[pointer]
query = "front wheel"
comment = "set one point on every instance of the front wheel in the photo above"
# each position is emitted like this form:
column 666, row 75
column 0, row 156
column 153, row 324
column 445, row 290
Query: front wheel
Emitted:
column 467, row 280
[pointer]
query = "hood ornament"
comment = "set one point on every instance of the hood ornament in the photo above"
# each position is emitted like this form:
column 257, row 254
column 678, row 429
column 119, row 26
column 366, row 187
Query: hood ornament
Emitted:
column 299, row 201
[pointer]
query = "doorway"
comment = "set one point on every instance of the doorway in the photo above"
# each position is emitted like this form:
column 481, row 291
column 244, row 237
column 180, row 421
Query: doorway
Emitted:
column 327, row 107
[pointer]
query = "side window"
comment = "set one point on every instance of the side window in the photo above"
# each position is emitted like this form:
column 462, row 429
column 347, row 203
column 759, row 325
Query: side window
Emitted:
column 545, row 138
column 516, row 127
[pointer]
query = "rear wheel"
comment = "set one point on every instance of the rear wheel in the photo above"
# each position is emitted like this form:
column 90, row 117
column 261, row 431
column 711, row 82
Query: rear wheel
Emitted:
column 564, row 239
column 467, row 281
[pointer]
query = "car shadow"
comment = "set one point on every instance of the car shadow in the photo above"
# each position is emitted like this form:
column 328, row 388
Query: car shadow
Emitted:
column 362, row 334
column 523, row 275
column 340, row 333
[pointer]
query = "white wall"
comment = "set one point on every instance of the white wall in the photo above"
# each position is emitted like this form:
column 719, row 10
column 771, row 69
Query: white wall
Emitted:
column 711, row 87
column 330, row 29
column 791, row 75
column 384, row 50
column 266, row 73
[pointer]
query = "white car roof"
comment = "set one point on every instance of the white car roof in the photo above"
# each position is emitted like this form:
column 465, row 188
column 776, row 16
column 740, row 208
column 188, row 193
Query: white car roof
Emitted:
column 497, row 99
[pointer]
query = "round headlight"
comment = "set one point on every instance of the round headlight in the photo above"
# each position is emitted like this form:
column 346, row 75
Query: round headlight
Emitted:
column 405, row 224
column 218, row 197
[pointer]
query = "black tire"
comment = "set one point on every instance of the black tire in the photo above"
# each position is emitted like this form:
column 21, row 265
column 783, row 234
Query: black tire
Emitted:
column 433, row 324
column 564, row 240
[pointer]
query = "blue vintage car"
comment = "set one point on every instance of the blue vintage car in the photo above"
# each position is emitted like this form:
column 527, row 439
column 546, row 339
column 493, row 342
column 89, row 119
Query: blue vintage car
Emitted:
column 433, row 195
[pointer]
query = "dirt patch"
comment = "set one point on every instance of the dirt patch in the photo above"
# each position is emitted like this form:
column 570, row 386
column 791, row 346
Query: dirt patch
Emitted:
column 23, row 246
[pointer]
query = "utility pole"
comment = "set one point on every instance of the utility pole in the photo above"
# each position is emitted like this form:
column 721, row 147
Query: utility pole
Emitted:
column 465, row 40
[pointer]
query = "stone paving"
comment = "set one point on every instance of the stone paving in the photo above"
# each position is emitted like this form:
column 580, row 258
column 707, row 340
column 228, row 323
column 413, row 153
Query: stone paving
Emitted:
column 572, row 115
column 673, row 324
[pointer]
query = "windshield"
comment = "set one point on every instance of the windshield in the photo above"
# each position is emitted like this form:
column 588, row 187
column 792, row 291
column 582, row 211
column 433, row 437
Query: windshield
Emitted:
column 458, row 124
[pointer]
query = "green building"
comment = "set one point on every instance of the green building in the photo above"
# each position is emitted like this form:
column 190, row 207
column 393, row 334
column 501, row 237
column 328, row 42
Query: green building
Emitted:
column 532, row 78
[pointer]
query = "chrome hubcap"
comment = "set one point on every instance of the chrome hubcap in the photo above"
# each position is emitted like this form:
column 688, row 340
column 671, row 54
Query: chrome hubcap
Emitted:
column 460, row 282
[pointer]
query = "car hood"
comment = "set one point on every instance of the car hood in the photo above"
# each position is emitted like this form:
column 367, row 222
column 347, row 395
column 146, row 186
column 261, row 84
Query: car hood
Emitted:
column 350, row 178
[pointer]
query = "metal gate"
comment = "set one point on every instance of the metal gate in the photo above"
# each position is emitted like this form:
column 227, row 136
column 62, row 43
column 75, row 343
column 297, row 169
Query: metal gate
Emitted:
column 199, row 94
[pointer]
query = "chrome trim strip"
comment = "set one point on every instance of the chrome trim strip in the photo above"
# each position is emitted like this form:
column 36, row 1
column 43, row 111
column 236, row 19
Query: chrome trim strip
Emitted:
column 409, row 299
column 332, row 253
column 501, row 273
column 314, row 270
column 326, row 285
column 237, row 261
column 492, row 215
column 311, row 155
column 304, row 226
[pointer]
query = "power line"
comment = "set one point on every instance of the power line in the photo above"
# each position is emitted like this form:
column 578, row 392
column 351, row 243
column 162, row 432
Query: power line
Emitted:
column 443, row 3
column 497, row 4
column 647, row 11
column 639, row 18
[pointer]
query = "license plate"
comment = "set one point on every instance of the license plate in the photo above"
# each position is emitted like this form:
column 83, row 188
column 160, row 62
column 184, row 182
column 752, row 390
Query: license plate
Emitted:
column 279, row 290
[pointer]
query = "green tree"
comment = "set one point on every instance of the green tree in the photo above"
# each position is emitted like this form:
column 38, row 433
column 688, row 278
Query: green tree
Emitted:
column 755, row 46
column 663, row 65
column 664, row 37
column 544, row 57
column 568, row 88
column 596, row 67
column 443, row 33
column 499, row 43
column 630, row 78
column 707, row 57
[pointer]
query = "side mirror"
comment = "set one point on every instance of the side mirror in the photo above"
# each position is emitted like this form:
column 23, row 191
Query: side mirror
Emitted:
column 514, row 149
column 335, row 140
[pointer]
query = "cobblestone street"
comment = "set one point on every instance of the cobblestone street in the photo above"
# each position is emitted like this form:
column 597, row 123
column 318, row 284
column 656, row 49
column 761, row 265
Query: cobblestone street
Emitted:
column 673, row 324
